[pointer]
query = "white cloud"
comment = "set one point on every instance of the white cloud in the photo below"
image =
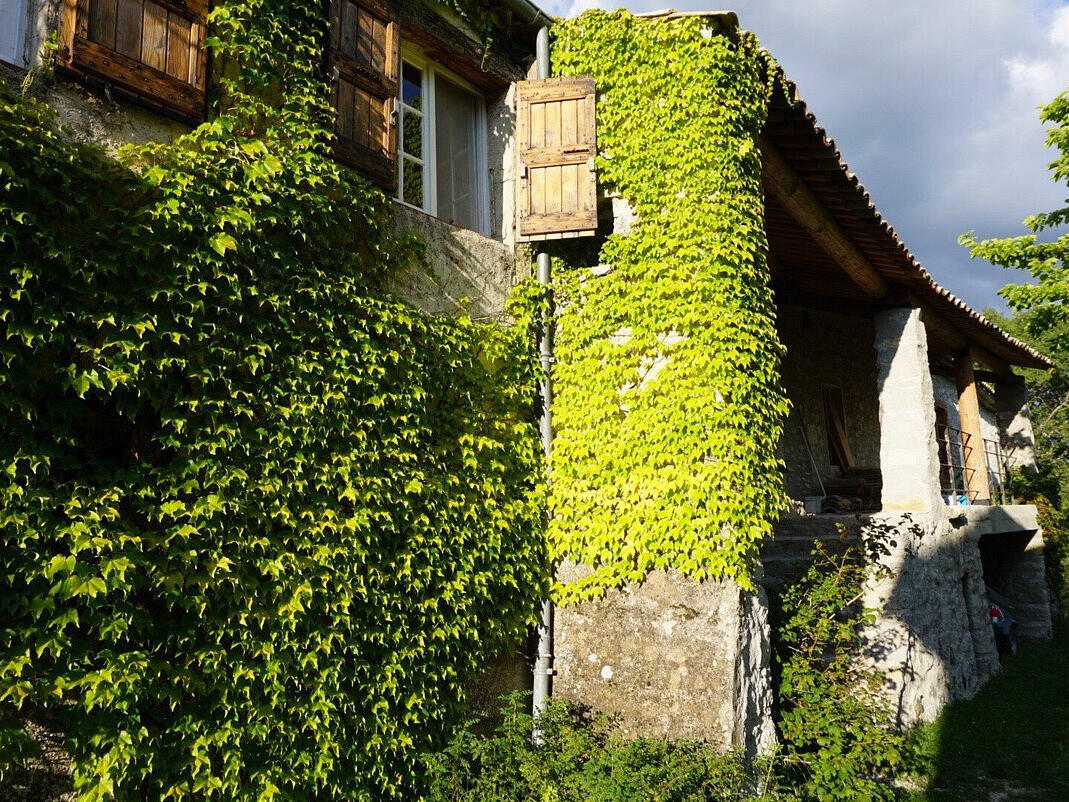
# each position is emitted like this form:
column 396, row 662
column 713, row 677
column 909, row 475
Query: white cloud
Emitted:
column 1039, row 77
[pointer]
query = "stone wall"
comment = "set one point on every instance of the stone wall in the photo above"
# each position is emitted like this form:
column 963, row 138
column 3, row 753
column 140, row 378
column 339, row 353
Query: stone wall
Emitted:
column 673, row 658
column 464, row 271
column 826, row 348
column 932, row 638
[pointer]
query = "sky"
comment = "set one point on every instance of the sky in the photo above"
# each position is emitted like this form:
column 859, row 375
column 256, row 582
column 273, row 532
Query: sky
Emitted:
column 932, row 103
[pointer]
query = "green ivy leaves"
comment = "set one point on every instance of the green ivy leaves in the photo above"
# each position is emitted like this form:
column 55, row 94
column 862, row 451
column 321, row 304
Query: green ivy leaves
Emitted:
column 261, row 522
column 669, row 405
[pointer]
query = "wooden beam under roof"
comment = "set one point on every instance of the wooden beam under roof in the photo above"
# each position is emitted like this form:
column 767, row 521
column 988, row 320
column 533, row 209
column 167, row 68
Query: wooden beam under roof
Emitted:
column 976, row 481
column 953, row 340
column 791, row 191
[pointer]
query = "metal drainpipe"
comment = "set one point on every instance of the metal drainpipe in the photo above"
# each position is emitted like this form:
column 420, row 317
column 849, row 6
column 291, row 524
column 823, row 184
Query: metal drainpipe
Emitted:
column 543, row 668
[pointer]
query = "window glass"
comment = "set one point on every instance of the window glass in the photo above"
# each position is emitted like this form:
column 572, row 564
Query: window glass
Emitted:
column 456, row 117
column 411, row 86
column 412, row 133
column 411, row 181
column 12, row 30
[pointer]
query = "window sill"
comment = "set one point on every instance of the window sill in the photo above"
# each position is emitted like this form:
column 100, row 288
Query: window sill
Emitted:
column 408, row 207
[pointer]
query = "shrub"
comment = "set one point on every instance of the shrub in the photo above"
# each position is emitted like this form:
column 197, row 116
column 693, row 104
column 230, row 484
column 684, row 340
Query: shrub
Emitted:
column 837, row 737
column 582, row 758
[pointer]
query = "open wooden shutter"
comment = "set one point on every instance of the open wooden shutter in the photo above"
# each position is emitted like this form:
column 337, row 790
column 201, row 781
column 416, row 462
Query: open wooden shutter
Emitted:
column 557, row 185
column 153, row 48
column 365, row 62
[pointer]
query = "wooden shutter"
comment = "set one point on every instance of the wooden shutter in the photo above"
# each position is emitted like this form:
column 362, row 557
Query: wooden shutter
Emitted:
column 557, row 185
column 365, row 62
column 153, row 48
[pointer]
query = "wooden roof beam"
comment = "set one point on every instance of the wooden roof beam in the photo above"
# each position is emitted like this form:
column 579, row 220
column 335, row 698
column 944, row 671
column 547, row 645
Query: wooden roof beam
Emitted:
column 953, row 339
column 782, row 181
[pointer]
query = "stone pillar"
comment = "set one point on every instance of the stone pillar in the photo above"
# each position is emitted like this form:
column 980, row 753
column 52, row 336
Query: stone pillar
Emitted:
column 670, row 658
column 909, row 455
column 976, row 481
column 1015, row 423
column 1031, row 595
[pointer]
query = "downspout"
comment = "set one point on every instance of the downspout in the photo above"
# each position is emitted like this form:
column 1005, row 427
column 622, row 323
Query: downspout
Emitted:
column 543, row 667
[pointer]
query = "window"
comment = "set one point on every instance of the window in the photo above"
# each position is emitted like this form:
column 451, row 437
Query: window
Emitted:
column 838, row 445
column 442, row 166
column 153, row 50
column 12, row 31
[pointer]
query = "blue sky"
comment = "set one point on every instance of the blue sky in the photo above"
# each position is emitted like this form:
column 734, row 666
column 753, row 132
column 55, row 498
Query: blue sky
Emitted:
column 933, row 103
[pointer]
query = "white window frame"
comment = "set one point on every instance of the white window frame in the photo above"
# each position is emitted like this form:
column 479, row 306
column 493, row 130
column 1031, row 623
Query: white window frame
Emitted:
column 430, row 69
column 13, row 17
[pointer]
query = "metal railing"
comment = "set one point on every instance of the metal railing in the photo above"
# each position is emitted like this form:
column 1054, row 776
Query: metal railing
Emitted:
column 996, row 472
column 955, row 449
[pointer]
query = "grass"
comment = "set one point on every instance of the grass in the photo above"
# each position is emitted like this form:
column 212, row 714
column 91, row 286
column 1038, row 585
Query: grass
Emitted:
column 1011, row 741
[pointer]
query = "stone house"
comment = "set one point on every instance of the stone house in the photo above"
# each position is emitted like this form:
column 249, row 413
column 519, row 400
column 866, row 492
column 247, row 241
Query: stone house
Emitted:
column 906, row 415
column 905, row 404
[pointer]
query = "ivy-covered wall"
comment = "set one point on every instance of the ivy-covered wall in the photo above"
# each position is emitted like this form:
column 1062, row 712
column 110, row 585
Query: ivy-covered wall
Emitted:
column 261, row 521
column 668, row 407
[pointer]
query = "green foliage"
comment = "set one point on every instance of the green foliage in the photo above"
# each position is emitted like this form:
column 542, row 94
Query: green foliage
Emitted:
column 583, row 759
column 836, row 730
column 668, row 406
column 260, row 521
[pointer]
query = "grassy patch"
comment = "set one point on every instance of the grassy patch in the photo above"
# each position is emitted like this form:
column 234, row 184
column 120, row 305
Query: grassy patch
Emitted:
column 1010, row 741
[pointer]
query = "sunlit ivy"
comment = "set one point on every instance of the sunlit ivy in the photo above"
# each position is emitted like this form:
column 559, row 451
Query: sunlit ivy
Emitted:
column 669, row 405
column 261, row 522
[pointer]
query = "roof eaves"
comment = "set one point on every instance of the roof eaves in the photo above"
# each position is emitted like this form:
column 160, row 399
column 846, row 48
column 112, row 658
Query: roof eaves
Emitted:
column 727, row 18
column 927, row 282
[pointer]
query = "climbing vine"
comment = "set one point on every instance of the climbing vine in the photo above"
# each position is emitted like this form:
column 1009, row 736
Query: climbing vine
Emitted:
column 261, row 522
column 669, row 406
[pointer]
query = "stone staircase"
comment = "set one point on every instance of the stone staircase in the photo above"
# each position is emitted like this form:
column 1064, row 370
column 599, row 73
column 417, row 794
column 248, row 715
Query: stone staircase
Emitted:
column 787, row 555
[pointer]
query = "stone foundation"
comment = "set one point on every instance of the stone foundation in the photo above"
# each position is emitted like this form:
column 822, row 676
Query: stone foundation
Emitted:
column 931, row 638
column 672, row 658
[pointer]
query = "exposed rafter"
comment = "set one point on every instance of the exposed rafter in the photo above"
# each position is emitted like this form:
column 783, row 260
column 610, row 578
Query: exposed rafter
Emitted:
column 790, row 190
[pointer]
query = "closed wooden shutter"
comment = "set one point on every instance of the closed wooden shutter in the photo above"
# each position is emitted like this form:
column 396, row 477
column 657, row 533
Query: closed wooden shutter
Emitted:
column 153, row 48
column 365, row 62
column 557, row 184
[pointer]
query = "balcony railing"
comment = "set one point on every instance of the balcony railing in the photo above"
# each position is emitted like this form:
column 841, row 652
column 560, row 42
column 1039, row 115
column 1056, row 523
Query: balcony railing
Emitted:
column 996, row 472
column 955, row 449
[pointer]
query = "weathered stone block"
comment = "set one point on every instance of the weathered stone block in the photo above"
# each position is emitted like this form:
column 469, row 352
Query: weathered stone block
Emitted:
column 673, row 658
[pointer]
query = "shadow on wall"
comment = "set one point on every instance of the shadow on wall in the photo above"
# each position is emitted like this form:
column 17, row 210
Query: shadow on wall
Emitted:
column 1017, row 445
column 933, row 637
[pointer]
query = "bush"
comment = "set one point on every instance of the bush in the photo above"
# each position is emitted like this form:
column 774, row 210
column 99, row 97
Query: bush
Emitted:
column 583, row 759
column 837, row 736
